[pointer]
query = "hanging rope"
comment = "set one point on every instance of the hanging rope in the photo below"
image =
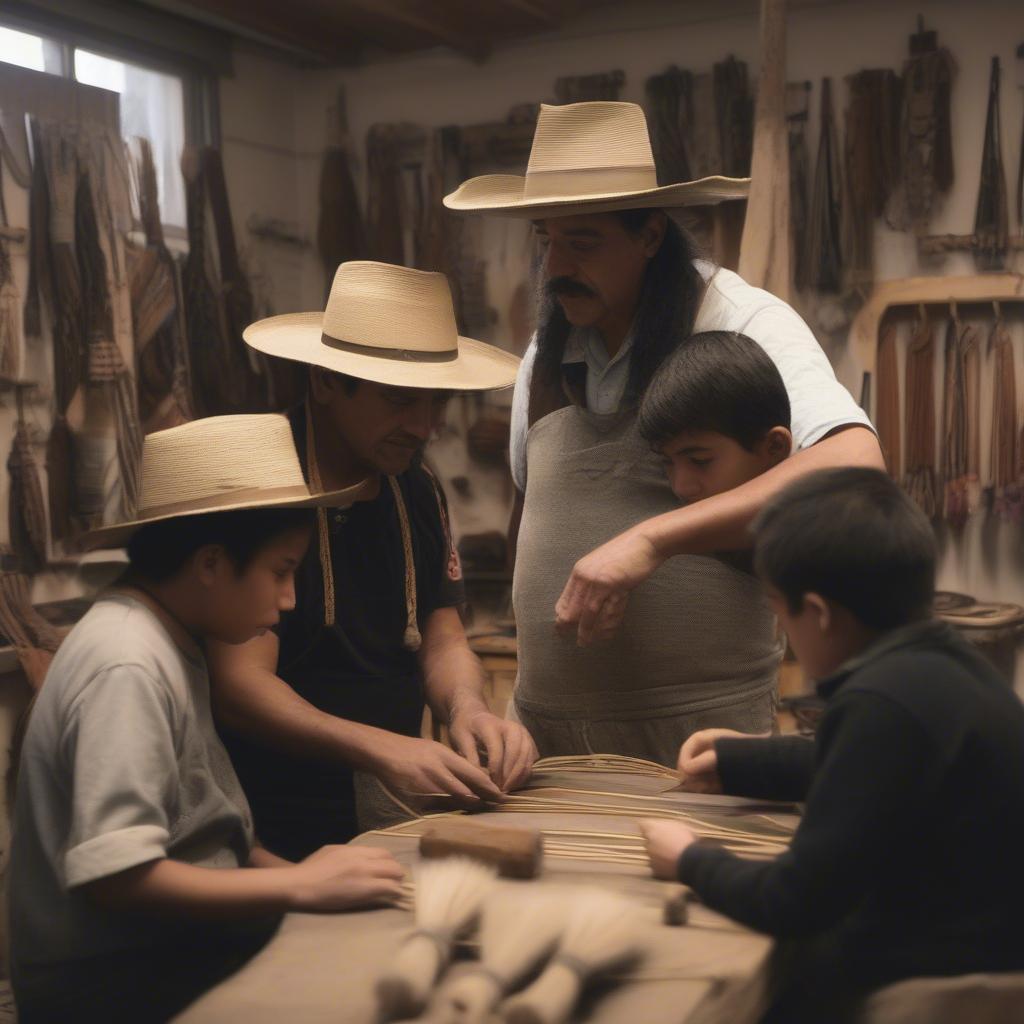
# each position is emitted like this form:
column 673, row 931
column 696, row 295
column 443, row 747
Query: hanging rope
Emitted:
column 887, row 407
column 1005, row 492
column 960, row 450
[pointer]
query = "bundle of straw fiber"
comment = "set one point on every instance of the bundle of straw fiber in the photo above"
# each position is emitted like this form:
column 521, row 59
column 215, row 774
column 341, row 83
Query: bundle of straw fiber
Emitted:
column 160, row 349
column 602, row 933
column 519, row 929
column 887, row 405
column 40, row 286
column 10, row 303
column 919, row 481
column 961, row 449
column 1004, row 423
column 106, row 367
column 34, row 640
column 449, row 896
column 26, row 512
column 824, row 244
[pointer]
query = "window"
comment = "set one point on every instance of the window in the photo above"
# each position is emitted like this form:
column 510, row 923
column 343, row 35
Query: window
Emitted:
column 153, row 106
column 153, row 103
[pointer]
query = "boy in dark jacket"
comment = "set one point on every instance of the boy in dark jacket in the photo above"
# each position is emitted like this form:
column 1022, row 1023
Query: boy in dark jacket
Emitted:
column 906, row 862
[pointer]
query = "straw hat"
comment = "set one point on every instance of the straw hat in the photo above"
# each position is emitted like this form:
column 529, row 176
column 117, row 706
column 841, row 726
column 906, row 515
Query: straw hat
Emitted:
column 220, row 464
column 387, row 324
column 589, row 158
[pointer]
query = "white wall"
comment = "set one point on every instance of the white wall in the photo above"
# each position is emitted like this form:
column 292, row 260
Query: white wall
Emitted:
column 828, row 37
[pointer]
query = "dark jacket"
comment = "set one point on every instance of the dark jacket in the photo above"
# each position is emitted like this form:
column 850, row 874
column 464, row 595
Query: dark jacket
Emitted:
column 908, row 857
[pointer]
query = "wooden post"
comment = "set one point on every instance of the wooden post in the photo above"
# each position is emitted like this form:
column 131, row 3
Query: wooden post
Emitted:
column 765, row 259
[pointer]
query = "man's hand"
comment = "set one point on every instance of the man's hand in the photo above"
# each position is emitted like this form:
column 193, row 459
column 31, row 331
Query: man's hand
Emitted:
column 509, row 747
column 423, row 767
column 594, row 600
column 344, row 878
column 666, row 841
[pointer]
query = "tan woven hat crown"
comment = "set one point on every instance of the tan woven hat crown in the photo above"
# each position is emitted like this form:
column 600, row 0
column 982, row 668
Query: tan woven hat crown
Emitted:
column 387, row 324
column 589, row 158
column 220, row 464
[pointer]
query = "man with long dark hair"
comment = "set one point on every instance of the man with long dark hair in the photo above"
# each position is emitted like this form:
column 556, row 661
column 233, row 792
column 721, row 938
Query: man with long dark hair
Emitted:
column 604, row 551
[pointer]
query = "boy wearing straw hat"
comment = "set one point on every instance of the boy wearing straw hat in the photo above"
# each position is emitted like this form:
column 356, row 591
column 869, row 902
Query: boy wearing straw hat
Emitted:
column 131, row 882
column 687, row 642
column 333, row 700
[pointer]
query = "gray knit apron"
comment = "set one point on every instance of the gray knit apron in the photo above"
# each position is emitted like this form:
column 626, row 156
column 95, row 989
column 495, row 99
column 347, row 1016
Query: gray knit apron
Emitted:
column 698, row 647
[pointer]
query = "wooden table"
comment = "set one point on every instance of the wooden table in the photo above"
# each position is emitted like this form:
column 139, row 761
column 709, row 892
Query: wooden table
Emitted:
column 324, row 967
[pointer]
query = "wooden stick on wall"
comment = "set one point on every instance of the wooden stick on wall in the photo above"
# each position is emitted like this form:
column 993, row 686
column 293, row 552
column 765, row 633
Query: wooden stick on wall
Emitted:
column 765, row 259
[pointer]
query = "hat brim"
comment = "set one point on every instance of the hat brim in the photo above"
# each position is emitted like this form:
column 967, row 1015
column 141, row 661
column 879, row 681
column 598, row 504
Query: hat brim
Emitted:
column 506, row 193
column 118, row 535
column 299, row 337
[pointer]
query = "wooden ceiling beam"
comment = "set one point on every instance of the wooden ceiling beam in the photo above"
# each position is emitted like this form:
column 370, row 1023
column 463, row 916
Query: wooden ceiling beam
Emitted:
column 535, row 9
column 431, row 26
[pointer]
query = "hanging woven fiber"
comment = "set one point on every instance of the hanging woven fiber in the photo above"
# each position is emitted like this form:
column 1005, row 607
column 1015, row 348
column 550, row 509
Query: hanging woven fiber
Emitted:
column 887, row 407
column 33, row 638
column 706, row 151
column 10, row 318
column 991, row 215
column 106, row 367
column 69, row 313
column 40, row 272
column 927, row 137
column 871, row 165
column 824, row 246
column 384, row 203
column 1004, row 484
column 734, row 109
column 670, row 114
column 797, row 114
column 26, row 512
column 960, row 450
column 340, row 230
column 919, row 479
column 59, row 471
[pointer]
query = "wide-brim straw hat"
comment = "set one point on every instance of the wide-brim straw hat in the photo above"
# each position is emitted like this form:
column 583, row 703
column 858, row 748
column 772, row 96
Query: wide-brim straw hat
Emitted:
column 220, row 464
column 589, row 158
column 388, row 324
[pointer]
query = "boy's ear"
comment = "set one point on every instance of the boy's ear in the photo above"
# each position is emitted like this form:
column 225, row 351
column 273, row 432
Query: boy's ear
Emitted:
column 778, row 444
column 819, row 607
column 209, row 563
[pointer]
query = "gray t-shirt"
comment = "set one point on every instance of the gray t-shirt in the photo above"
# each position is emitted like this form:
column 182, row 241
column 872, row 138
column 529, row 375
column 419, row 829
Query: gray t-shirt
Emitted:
column 121, row 765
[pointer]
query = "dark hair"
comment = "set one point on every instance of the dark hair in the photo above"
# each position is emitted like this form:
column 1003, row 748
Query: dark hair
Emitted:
column 853, row 536
column 719, row 381
column 666, row 311
column 160, row 550
column 348, row 382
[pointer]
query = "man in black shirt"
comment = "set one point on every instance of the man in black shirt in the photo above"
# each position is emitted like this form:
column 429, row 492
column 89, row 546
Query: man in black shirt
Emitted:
column 376, row 631
column 906, row 862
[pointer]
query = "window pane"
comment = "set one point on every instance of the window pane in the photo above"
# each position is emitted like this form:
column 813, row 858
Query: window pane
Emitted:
column 152, row 105
column 22, row 49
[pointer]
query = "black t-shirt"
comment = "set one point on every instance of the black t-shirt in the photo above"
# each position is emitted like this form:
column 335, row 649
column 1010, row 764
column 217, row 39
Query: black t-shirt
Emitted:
column 358, row 668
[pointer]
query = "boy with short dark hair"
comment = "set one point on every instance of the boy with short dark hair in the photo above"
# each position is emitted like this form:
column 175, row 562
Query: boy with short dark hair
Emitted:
column 906, row 861
column 131, row 889
column 718, row 413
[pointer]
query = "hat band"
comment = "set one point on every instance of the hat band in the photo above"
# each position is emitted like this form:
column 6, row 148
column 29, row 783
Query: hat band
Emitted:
column 403, row 355
column 214, row 501
column 586, row 181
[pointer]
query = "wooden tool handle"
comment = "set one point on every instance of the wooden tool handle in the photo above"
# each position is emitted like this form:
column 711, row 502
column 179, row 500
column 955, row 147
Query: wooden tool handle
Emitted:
column 549, row 1000
column 515, row 852
column 403, row 991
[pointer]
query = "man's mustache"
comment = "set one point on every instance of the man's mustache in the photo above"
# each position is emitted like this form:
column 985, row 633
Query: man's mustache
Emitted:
column 568, row 287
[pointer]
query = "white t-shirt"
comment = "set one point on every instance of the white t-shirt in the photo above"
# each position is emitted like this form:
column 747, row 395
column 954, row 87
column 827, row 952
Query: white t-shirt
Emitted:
column 121, row 765
column 818, row 402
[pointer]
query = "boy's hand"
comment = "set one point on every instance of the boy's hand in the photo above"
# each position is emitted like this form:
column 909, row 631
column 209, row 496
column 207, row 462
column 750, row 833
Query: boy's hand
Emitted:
column 698, row 762
column 666, row 841
column 344, row 878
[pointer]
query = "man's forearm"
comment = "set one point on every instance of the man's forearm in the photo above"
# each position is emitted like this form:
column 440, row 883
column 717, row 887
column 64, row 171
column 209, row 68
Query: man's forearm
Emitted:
column 263, row 706
column 721, row 522
column 453, row 682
